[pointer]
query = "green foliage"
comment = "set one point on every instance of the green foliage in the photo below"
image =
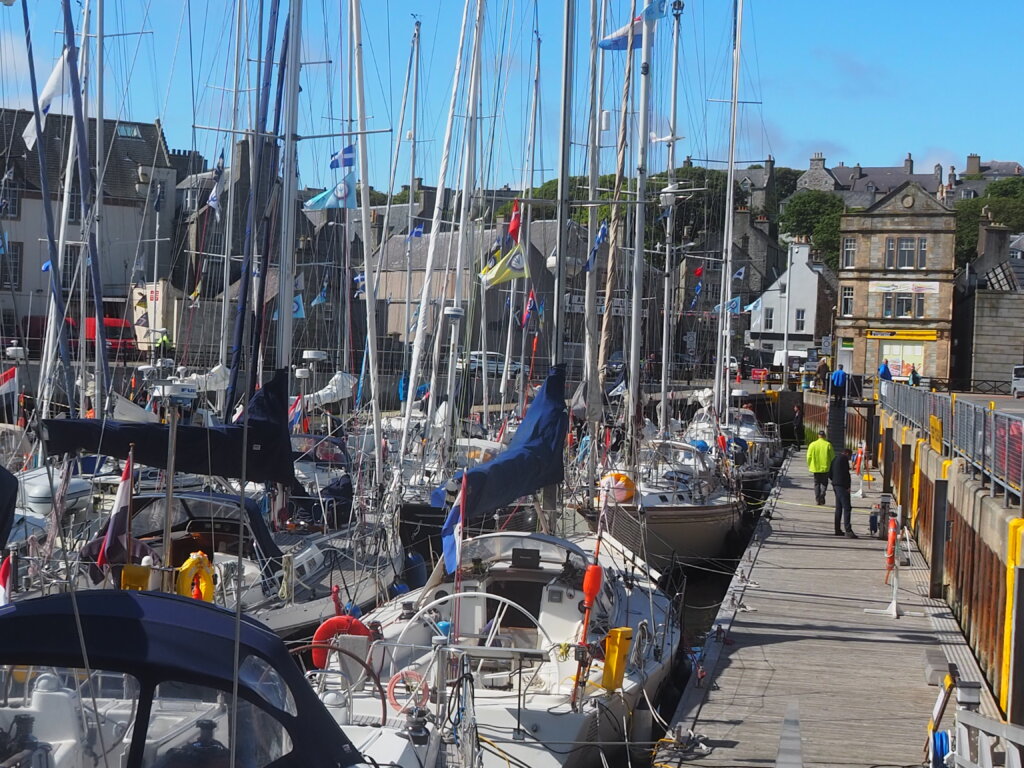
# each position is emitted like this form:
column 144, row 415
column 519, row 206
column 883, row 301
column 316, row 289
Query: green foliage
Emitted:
column 785, row 181
column 1004, row 210
column 1011, row 187
column 826, row 238
column 806, row 209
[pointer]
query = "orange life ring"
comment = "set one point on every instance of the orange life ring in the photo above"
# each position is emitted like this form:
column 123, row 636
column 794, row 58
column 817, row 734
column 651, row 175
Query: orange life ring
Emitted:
column 414, row 683
column 336, row 625
column 890, row 548
column 859, row 461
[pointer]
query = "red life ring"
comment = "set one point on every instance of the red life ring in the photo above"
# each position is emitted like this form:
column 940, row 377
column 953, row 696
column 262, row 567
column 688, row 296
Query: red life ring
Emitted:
column 415, row 685
column 890, row 549
column 336, row 625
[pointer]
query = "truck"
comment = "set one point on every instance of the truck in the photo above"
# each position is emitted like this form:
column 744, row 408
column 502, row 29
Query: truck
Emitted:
column 120, row 335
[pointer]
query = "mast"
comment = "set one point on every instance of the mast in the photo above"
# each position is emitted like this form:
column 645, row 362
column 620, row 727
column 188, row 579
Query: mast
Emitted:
column 635, row 331
column 725, row 315
column 412, row 205
column 286, row 262
column 667, row 337
column 370, row 296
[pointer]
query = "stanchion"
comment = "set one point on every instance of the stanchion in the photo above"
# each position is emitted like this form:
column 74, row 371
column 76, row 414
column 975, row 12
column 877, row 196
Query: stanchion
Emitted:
column 892, row 567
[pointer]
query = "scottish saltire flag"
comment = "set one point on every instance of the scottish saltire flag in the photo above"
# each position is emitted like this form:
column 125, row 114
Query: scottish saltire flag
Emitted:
column 602, row 235
column 295, row 414
column 115, row 541
column 417, row 231
column 342, row 195
column 509, row 267
column 740, row 273
column 698, row 288
column 344, row 157
column 451, row 531
column 321, row 298
column 360, row 281
column 214, row 199
column 55, row 87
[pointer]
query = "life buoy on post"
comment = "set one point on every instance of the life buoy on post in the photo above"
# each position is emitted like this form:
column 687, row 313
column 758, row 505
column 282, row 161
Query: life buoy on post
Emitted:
column 334, row 626
column 890, row 548
column 195, row 577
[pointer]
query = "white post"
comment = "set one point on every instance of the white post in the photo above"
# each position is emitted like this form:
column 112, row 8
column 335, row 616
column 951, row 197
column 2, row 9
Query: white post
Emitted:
column 286, row 269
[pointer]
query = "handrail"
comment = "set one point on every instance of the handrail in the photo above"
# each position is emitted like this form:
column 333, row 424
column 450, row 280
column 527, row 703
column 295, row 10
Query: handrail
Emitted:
column 976, row 736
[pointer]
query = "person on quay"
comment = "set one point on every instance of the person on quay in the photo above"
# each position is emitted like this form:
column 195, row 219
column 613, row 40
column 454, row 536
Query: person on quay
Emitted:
column 883, row 371
column 839, row 474
column 820, row 454
column 915, row 377
column 822, row 373
column 838, row 383
column 798, row 427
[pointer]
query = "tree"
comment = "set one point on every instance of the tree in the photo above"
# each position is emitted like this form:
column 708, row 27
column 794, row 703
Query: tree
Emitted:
column 817, row 215
column 785, row 181
column 1004, row 209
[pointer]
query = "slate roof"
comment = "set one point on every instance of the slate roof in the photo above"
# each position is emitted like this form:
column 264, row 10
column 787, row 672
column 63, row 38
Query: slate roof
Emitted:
column 125, row 154
column 884, row 178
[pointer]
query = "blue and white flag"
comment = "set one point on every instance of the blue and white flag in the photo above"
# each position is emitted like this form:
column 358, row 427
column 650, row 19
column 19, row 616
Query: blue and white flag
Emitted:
column 343, row 195
column 740, row 273
column 656, row 9
column 214, row 199
column 417, row 231
column 602, row 236
column 321, row 298
column 754, row 306
column 451, row 531
column 55, row 87
column 344, row 157
column 698, row 288
column 298, row 308
column 619, row 39
column 733, row 306
column 360, row 281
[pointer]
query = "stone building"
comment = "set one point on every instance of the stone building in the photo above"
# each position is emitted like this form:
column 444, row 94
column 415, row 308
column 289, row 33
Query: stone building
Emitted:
column 896, row 268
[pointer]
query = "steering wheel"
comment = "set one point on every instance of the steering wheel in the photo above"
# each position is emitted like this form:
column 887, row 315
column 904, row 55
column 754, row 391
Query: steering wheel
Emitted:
column 361, row 662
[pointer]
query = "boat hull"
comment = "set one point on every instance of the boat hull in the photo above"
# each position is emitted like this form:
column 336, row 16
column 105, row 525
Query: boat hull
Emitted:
column 675, row 534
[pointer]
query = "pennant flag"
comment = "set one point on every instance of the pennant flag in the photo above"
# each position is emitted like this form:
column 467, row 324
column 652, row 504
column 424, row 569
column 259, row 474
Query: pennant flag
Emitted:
column 143, row 321
column 619, row 39
column 54, row 89
column 321, row 298
column 345, row 157
column 754, row 306
column 5, row 581
column 698, row 288
column 298, row 308
column 158, row 198
column 141, row 301
column 511, row 266
column 295, row 414
column 698, row 271
column 515, row 222
column 197, row 290
column 417, row 231
column 602, row 235
column 740, row 273
column 343, row 195
column 531, row 307
column 693, row 303
column 451, row 532
column 115, row 541
column 214, row 199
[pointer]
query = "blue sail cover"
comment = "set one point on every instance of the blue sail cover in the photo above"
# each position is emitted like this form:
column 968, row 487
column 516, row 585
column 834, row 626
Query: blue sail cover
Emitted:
column 533, row 459
column 200, row 450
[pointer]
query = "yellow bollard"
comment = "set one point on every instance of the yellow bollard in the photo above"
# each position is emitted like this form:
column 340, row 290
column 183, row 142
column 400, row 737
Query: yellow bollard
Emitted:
column 616, row 651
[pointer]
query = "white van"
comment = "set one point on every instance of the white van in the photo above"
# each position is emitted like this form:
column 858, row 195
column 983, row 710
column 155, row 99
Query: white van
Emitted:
column 1017, row 383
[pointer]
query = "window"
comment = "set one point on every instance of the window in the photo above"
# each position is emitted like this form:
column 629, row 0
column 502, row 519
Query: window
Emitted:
column 192, row 199
column 782, row 289
column 10, row 203
column 75, row 205
column 10, row 266
column 922, row 252
column 887, row 303
column 800, row 314
column 905, row 256
column 69, row 267
column 890, row 252
column 919, row 305
column 769, row 318
column 904, row 305
column 128, row 131
column 846, row 301
column 849, row 252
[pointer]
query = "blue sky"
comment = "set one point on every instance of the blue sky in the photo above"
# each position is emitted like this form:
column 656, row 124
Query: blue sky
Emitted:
column 862, row 82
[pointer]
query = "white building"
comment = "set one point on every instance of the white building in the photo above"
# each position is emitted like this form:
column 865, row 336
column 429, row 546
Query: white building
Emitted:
column 800, row 301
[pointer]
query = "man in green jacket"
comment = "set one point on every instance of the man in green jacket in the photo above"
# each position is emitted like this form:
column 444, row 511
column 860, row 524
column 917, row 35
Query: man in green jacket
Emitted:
column 819, row 459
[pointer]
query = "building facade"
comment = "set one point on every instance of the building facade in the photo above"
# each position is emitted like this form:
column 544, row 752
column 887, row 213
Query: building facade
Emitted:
column 896, row 267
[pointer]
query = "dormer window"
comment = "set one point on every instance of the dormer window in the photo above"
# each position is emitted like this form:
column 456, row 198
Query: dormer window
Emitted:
column 128, row 131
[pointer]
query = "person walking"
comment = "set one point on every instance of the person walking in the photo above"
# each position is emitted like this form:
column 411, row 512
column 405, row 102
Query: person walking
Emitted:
column 883, row 371
column 820, row 454
column 798, row 427
column 822, row 373
column 915, row 377
column 839, row 383
column 839, row 474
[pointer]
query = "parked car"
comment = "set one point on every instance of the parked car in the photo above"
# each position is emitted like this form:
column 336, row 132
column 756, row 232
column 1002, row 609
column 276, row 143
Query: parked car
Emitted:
column 120, row 336
column 614, row 365
column 1017, row 382
column 495, row 364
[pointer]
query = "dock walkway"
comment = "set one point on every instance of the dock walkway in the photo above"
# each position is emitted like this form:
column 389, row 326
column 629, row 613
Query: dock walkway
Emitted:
column 803, row 676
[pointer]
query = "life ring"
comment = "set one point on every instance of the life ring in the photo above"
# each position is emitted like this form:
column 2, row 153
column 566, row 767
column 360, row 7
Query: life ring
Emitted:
column 617, row 487
column 336, row 625
column 859, row 461
column 890, row 548
column 195, row 577
column 414, row 683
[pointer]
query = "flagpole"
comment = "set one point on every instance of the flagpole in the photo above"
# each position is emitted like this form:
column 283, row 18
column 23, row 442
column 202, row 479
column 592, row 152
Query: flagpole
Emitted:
column 412, row 205
column 286, row 257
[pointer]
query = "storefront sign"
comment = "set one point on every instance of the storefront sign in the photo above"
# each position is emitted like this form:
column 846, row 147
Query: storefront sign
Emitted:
column 905, row 334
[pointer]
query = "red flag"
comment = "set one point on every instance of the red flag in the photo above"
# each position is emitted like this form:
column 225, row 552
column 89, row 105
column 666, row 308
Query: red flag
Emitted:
column 698, row 271
column 5, row 581
column 515, row 222
column 529, row 309
column 120, row 520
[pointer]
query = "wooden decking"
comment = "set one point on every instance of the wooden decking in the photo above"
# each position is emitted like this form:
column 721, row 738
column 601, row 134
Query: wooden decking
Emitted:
column 804, row 677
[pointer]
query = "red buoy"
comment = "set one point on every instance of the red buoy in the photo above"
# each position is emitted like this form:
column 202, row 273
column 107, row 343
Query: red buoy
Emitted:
column 592, row 584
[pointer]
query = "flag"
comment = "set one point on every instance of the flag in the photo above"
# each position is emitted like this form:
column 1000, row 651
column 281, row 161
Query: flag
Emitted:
column 141, row 301
column 344, row 158
column 417, row 231
column 298, row 308
column 115, row 542
column 5, row 581
column 295, row 414
column 197, row 290
column 602, row 235
column 515, row 222
column 8, row 175
column 619, row 39
column 509, row 267
column 158, row 198
column 656, row 9
column 214, row 199
column 698, row 288
column 754, row 306
column 734, row 305
column 740, row 273
column 360, row 281
column 321, row 298
column 343, row 195
column 451, row 531
column 531, row 307
column 54, row 89
column 143, row 321
column 698, row 271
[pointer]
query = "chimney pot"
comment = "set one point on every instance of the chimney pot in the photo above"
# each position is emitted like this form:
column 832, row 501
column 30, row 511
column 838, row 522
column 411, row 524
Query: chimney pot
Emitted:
column 908, row 164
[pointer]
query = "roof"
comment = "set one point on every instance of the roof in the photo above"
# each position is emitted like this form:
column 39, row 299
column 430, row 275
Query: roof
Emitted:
column 1008, row 276
column 125, row 153
column 883, row 178
column 1002, row 168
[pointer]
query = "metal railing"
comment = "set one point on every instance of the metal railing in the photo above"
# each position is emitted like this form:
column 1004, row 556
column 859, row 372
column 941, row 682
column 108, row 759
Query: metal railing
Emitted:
column 990, row 441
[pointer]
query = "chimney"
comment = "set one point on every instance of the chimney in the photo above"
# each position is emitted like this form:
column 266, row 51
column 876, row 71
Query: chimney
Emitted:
column 938, row 174
column 908, row 164
column 769, row 166
column 857, row 172
column 951, row 179
column 688, row 162
column 973, row 164
column 817, row 161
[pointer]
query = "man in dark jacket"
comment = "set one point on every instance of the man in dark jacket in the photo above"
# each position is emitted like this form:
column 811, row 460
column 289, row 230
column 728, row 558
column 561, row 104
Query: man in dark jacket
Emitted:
column 798, row 427
column 839, row 474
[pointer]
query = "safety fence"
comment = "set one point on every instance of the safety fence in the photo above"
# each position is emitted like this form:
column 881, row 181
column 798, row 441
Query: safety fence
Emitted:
column 989, row 440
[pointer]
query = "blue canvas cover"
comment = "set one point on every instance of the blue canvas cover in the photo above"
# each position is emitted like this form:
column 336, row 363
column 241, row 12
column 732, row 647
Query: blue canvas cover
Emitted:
column 8, row 501
column 200, row 450
column 533, row 459
column 158, row 637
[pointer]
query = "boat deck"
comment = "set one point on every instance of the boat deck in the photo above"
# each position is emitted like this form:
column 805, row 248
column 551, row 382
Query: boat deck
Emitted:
column 803, row 675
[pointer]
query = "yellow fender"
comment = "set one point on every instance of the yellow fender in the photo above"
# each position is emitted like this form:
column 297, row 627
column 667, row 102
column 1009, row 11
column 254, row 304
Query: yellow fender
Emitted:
column 196, row 567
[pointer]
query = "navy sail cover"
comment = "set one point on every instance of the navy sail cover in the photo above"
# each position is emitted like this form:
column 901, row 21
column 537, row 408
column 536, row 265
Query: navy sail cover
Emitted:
column 199, row 450
column 533, row 459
